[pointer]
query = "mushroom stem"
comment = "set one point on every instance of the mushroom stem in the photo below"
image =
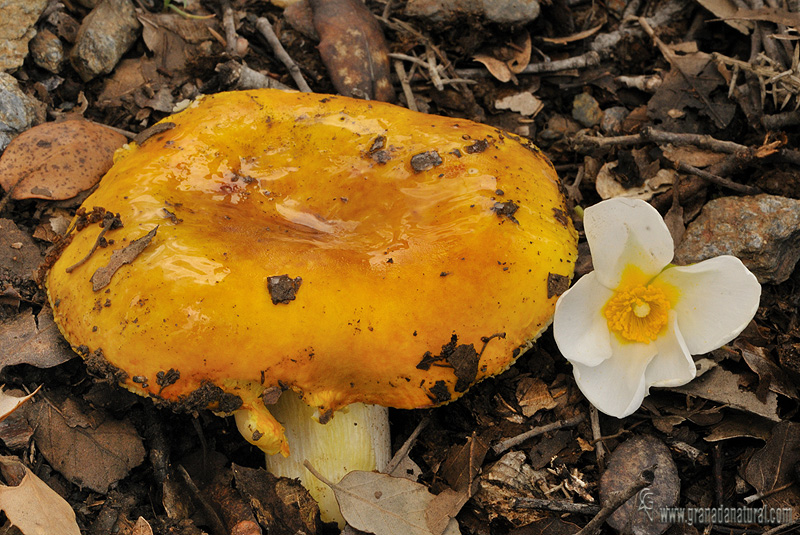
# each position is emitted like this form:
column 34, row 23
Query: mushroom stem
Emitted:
column 356, row 438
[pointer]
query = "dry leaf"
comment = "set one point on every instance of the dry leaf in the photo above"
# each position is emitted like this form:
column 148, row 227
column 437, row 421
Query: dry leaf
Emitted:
column 34, row 340
column 692, row 156
column 504, row 481
column 9, row 403
column 724, row 9
column 281, row 505
column 89, row 448
column 524, row 103
column 608, row 187
column 738, row 426
column 463, row 463
column 773, row 466
column 625, row 465
column 498, row 69
column 379, row 503
column 58, row 160
column 533, row 396
column 353, row 49
column 35, row 508
column 522, row 53
column 142, row 527
column 722, row 386
column 102, row 277
column 770, row 375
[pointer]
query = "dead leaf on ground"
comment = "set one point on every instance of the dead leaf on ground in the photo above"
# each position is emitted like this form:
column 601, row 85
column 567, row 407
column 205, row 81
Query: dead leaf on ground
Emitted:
column 770, row 375
column 280, row 504
column 142, row 527
column 773, row 466
column 102, row 277
column 34, row 340
column 724, row 9
column 625, row 465
column 574, row 37
column 33, row 507
column 533, row 396
column 353, row 49
column 689, row 86
column 547, row 526
column 497, row 68
column 88, row 447
column 176, row 41
column 722, row 386
column 692, row 156
column 379, row 503
column 57, row 161
column 520, row 52
column 504, row 481
column 463, row 463
column 740, row 426
column 9, row 403
column 608, row 186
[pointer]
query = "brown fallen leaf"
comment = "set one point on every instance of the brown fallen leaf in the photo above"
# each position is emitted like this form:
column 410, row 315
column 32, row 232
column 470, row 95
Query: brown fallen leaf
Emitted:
column 380, row 503
column 770, row 375
column 625, row 465
column 497, row 68
column 32, row 506
column 57, row 161
column 353, row 49
column 88, row 447
column 102, row 277
column 773, row 466
column 722, row 386
column 34, row 340
column 9, row 403
column 533, row 396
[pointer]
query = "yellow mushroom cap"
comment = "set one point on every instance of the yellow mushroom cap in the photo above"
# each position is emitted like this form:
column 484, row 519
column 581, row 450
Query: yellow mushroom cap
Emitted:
column 353, row 251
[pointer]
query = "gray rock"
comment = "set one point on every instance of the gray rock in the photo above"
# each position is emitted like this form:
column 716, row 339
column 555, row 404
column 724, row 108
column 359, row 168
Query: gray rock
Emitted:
column 16, row 29
column 612, row 120
column 499, row 11
column 47, row 51
column 17, row 111
column 104, row 36
column 763, row 231
column 586, row 110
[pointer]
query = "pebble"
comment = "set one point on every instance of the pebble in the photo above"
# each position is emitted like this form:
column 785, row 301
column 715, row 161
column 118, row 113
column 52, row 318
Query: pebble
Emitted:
column 104, row 36
column 47, row 51
column 762, row 230
column 612, row 120
column 17, row 111
column 586, row 110
column 499, row 11
column 16, row 29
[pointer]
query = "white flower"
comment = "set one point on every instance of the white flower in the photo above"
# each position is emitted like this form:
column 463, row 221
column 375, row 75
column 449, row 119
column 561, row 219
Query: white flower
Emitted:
column 636, row 321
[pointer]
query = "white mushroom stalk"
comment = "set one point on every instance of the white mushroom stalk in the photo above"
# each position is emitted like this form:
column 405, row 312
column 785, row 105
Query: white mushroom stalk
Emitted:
column 356, row 438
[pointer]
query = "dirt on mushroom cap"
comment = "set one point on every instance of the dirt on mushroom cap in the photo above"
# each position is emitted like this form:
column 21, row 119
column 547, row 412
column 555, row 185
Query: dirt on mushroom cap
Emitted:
column 258, row 186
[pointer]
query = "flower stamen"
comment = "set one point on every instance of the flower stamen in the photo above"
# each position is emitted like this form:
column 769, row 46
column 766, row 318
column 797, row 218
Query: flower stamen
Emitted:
column 638, row 314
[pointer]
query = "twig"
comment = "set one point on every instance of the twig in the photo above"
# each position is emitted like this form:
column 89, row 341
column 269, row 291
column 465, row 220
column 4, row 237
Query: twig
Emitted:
column 217, row 527
column 755, row 497
column 263, row 26
column 509, row 443
column 588, row 59
column 783, row 528
column 411, row 101
column 556, row 506
column 698, row 140
column 406, row 447
column 618, row 500
column 597, row 434
column 229, row 24
column 235, row 75
column 716, row 179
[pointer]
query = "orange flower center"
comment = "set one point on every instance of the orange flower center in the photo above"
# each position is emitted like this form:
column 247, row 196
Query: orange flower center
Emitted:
column 638, row 314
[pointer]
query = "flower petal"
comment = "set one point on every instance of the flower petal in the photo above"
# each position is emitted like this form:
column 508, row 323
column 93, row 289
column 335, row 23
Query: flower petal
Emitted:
column 673, row 366
column 716, row 299
column 579, row 327
column 617, row 385
column 626, row 232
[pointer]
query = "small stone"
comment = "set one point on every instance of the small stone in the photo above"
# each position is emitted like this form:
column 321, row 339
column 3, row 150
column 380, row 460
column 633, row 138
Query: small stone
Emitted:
column 47, row 51
column 586, row 110
column 18, row 112
column 612, row 120
column 16, row 29
column 763, row 231
column 104, row 36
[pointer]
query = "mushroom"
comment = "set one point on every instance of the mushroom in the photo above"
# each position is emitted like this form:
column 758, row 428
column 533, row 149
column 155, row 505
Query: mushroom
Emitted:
column 340, row 251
